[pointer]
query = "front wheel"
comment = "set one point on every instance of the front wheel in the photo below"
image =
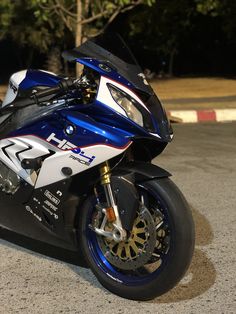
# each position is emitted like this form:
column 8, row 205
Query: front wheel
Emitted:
column 158, row 251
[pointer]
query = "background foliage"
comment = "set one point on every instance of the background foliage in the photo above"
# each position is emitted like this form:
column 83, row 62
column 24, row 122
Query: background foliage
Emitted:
column 176, row 37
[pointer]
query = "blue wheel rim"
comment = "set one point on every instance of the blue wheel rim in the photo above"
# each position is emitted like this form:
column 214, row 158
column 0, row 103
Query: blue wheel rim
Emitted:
column 106, row 267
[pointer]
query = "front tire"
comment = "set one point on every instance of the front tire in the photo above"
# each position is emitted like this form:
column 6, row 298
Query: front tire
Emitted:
column 175, row 249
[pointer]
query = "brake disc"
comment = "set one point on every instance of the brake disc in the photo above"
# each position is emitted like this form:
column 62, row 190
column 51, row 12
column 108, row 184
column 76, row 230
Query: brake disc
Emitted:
column 137, row 250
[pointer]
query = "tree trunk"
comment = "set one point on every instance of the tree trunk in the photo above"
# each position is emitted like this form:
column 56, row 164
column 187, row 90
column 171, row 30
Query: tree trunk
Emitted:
column 30, row 58
column 171, row 62
column 78, row 35
column 53, row 63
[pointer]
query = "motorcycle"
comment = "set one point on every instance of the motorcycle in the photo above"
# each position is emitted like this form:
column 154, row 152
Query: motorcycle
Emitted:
column 76, row 171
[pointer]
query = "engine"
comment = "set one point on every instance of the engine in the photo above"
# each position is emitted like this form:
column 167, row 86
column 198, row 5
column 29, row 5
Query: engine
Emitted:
column 9, row 181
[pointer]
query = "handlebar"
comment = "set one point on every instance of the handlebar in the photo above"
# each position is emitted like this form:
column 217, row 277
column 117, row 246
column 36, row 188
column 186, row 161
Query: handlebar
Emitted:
column 64, row 86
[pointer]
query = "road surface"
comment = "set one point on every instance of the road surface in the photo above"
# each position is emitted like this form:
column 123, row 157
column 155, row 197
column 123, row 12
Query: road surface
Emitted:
column 202, row 159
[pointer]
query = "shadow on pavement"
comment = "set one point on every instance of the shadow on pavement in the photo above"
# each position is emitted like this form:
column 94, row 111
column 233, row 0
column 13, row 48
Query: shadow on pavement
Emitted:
column 38, row 247
column 201, row 274
column 199, row 278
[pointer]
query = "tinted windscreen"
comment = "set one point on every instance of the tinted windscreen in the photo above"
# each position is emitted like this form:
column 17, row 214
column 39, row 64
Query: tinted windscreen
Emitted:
column 116, row 46
column 111, row 49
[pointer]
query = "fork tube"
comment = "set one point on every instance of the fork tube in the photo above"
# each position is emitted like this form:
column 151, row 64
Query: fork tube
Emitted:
column 106, row 182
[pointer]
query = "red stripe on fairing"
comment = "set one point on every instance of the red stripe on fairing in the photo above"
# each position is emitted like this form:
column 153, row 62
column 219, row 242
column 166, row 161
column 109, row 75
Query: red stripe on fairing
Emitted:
column 108, row 78
column 66, row 150
column 206, row 115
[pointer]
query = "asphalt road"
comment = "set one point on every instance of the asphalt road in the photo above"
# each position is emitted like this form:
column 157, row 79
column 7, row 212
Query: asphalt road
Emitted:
column 202, row 159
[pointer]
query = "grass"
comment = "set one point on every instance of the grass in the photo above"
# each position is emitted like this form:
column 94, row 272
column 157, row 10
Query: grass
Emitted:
column 2, row 91
column 173, row 92
column 194, row 87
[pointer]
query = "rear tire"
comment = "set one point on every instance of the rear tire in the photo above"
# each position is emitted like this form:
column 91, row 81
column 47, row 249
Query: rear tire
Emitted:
column 175, row 261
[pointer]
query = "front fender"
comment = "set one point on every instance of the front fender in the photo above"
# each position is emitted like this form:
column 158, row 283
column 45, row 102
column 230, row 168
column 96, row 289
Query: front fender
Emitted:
column 124, row 182
column 143, row 171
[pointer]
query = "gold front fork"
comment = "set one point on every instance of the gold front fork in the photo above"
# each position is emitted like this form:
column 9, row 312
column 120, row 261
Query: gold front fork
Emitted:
column 105, row 173
column 112, row 212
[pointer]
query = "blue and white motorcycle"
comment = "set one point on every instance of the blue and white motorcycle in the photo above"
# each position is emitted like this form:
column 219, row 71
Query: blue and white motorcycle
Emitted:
column 76, row 171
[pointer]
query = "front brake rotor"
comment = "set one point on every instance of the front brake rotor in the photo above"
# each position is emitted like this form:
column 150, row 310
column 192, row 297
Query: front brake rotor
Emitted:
column 137, row 250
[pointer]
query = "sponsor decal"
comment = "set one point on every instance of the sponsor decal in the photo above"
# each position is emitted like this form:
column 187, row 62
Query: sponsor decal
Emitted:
column 62, row 144
column 116, row 279
column 50, row 205
column 82, row 161
column 59, row 193
column 66, row 145
column 50, row 212
column 36, row 200
column 29, row 209
column 52, row 197
column 13, row 87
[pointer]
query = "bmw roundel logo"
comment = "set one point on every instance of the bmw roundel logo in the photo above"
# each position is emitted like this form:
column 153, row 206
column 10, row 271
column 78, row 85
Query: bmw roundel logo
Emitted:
column 69, row 129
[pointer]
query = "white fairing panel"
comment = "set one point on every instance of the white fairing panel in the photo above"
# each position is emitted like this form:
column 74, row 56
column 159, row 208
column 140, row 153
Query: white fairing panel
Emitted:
column 14, row 83
column 104, row 95
column 92, row 156
column 14, row 150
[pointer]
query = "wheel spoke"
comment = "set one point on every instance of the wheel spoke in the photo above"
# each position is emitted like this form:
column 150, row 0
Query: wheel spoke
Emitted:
column 120, row 249
column 139, row 230
column 127, row 251
column 134, row 247
column 139, row 240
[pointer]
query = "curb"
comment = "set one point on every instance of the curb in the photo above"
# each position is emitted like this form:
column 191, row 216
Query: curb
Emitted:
column 195, row 116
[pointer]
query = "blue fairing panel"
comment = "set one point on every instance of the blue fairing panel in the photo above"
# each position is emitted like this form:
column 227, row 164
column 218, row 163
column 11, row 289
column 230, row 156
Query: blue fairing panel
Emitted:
column 39, row 78
column 95, row 132
column 88, row 132
column 105, row 70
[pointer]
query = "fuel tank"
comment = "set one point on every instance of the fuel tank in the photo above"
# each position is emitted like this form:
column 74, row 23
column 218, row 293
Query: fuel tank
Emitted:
column 22, row 83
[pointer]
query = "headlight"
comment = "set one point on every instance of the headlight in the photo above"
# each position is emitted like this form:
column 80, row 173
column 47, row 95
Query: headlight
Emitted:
column 127, row 103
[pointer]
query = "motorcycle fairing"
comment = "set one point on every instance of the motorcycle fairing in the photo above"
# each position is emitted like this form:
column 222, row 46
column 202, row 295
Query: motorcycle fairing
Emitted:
column 78, row 160
column 39, row 78
column 104, row 95
column 34, row 213
column 13, row 87
column 58, row 152
column 21, row 84
column 112, row 59
column 104, row 70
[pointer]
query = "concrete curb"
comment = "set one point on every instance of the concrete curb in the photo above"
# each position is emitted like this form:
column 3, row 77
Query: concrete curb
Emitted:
column 194, row 116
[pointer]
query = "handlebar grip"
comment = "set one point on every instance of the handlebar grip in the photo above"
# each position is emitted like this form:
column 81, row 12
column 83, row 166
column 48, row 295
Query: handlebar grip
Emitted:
column 63, row 86
column 46, row 92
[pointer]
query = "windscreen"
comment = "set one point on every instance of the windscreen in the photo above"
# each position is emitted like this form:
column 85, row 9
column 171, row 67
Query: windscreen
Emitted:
column 111, row 49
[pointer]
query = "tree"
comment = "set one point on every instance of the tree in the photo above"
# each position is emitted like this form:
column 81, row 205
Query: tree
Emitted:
column 20, row 23
column 41, row 24
column 169, row 25
column 224, row 9
column 86, row 18
column 164, row 26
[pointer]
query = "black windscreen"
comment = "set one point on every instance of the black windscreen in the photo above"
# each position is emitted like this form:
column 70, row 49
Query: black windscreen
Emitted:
column 111, row 49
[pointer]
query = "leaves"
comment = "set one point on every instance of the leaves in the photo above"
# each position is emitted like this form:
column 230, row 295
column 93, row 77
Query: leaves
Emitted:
column 208, row 6
column 41, row 23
